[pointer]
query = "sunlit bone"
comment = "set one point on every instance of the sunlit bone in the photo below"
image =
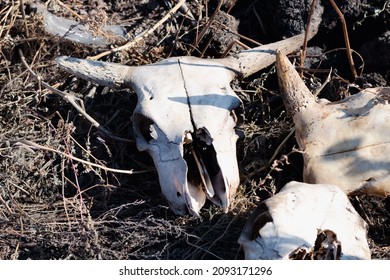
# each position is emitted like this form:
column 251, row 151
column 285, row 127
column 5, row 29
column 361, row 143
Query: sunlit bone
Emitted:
column 185, row 117
column 288, row 223
column 344, row 143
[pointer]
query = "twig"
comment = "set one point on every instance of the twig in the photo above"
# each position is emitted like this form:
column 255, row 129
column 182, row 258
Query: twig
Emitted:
column 184, row 9
column 73, row 166
column 345, row 49
column 69, row 98
column 259, row 20
column 203, row 249
column 138, row 39
column 6, row 205
column 223, row 234
column 346, row 38
column 69, row 9
column 304, row 47
column 240, row 35
column 230, row 46
column 69, row 156
column 24, row 17
column 8, row 23
column 204, row 30
column 271, row 160
column 361, row 210
column 320, row 88
column 279, row 148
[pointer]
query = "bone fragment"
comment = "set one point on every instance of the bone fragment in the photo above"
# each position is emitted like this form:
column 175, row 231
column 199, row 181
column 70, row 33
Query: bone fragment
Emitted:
column 79, row 32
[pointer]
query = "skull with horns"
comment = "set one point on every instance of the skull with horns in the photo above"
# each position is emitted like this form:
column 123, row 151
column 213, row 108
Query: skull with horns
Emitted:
column 185, row 117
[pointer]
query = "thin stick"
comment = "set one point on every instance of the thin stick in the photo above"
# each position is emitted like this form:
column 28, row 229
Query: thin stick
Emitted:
column 319, row 89
column 76, row 177
column 259, row 20
column 69, row 156
column 207, row 26
column 6, row 205
column 69, row 98
column 304, row 47
column 138, row 39
column 24, row 17
column 346, row 38
column 240, row 35
column 271, row 160
column 4, row 19
column 230, row 46
column 345, row 49
column 361, row 210
column 69, row 9
column 281, row 145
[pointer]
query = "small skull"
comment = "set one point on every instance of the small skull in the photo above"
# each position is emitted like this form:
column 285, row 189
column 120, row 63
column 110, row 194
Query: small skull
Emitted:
column 306, row 220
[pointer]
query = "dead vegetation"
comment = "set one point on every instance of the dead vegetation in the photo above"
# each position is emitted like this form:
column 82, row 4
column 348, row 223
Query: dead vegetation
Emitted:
column 58, row 200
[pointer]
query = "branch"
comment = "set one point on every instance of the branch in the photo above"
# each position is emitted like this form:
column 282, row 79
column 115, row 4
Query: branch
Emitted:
column 138, row 39
column 306, row 39
column 71, row 99
column 40, row 147
column 346, row 38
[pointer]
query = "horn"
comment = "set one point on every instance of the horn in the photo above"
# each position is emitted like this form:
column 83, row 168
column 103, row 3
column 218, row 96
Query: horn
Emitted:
column 295, row 94
column 251, row 61
column 103, row 73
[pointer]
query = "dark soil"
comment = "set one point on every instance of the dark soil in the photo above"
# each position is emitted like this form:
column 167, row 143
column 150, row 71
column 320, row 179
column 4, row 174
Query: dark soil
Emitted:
column 53, row 206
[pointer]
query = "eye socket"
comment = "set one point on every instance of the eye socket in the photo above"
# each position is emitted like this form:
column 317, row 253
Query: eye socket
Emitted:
column 145, row 127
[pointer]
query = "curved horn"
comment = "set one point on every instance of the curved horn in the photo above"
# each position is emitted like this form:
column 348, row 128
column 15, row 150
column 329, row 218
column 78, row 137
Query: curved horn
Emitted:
column 250, row 61
column 295, row 94
column 103, row 73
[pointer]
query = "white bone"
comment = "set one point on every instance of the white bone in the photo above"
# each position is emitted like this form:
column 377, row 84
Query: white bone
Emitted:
column 344, row 143
column 290, row 220
column 204, row 174
column 179, row 96
column 79, row 32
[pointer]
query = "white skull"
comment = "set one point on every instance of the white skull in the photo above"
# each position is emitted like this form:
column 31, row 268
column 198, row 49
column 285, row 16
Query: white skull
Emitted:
column 183, row 123
column 184, row 118
column 289, row 222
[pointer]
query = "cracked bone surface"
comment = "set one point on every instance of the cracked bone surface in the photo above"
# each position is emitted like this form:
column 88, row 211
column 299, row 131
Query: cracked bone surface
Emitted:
column 344, row 143
column 291, row 221
column 185, row 117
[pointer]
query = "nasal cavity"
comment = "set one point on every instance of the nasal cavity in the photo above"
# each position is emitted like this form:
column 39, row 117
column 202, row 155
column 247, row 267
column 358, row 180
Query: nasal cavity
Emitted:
column 144, row 125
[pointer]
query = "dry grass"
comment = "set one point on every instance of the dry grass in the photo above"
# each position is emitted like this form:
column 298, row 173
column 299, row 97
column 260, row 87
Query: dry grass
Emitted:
column 55, row 207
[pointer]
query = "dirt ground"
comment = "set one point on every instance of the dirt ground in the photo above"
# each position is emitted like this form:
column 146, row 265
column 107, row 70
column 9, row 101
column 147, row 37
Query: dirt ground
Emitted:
column 57, row 198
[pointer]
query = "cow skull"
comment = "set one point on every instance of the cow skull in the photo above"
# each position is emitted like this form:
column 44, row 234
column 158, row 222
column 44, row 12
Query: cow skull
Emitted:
column 344, row 143
column 305, row 220
column 185, row 116
column 185, row 119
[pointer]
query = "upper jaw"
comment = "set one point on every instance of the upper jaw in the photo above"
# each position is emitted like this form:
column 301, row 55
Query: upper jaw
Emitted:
column 201, row 173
